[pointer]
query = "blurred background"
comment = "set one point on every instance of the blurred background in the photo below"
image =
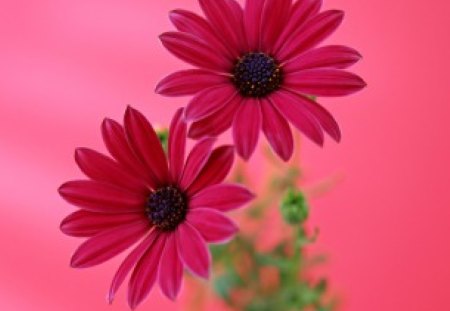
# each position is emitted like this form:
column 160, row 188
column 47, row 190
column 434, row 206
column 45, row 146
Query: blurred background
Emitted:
column 65, row 65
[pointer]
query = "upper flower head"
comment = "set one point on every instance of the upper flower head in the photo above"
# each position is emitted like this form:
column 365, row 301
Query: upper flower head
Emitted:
column 172, row 206
column 257, row 68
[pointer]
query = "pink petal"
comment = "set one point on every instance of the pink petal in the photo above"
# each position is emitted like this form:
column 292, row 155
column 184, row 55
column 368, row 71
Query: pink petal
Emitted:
column 274, row 16
column 189, row 22
column 332, row 56
column 170, row 269
column 277, row 131
column 146, row 144
column 196, row 161
column 177, row 145
column 193, row 250
column 215, row 170
column 129, row 263
column 117, row 145
column 226, row 17
column 145, row 273
column 324, row 82
column 101, row 168
column 194, row 51
column 108, row 244
column 209, row 101
column 216, row 123
column 222, row 197
column 86, row 224
column 302, row 119
column 189, row 82
column 301, row 12
column 252, row 21
column 212, row 225
column 325, row 119
column 246, row 127
column 99, row 197
column 311, row 34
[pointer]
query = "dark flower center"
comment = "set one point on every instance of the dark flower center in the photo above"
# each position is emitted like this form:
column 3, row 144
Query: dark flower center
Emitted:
column 257, row 74
column 166, row 208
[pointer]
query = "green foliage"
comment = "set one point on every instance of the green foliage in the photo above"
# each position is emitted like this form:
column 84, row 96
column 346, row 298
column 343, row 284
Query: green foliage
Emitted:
column 250, row 280
column 242, row 284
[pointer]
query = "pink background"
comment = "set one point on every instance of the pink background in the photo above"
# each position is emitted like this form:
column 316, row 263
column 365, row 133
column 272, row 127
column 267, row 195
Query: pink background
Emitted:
column 65, row 65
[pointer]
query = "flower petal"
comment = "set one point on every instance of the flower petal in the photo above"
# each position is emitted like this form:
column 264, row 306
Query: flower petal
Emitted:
column 108, row 244
column 196, row 161
column 177, row 145
column 193, row 250
column 215, row 170
column 301, row 12
column 100, row 197
column 226, row 17
column 325, row 119
column 277, row 131
column 331, row 56
column 274, row 16
column 189, row 22
column 302, row 119
column 117, row 145
column 252, row 22
column 146, row 144
column 194, row 51
column 311, row 34
column 209, row 101
column 86, row 224
column 189, row 82
column 145, row 273
column 324, row 82
column 129, row 263
column 101, row 168
column 222, row 197
column 246, row 127
column 170, row 269
column 212, row 225
column 216, row 123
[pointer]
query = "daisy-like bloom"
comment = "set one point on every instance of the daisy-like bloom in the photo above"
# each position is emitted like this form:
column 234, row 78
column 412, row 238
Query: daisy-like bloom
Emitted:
column 258, row 66
column 170, row 207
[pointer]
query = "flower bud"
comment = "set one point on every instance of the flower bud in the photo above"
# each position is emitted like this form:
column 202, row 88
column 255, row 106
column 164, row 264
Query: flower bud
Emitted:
column 163, row 135
column 294, row 207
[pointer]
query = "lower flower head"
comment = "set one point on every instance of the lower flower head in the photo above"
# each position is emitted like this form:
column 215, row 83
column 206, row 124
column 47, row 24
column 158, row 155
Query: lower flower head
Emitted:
column 171, row 206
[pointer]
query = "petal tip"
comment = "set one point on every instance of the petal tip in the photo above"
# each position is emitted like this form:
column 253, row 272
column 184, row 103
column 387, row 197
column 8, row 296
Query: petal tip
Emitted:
column 163, row 37
column 107, row 124
column 161, row 88
column 286, row 157
column 244, row 155
column 62, row 190
column 251, row 196
column 194, row 133
column 173, row 15
column 338, row 13
column 75, row 263
column 188, row 117
column 129, row 110
column 110, row 298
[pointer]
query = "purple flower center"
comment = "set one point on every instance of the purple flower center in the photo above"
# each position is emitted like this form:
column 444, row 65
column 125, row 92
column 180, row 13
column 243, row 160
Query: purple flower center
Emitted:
column 257, row 75
column 166, row 208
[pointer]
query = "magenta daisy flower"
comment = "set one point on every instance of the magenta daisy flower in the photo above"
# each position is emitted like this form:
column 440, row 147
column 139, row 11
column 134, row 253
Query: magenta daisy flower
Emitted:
column 257, row 69
column 171, row 208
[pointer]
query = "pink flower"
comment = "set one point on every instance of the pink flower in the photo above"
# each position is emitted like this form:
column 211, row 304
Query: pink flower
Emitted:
column 173, row 207
column 256, row 67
